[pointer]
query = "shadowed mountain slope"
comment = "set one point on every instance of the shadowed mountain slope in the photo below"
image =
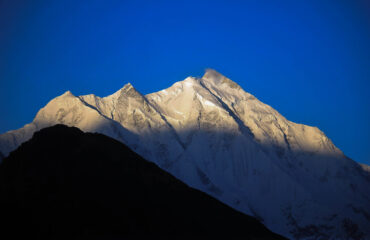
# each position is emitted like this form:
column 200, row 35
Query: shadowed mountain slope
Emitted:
column 64, row 183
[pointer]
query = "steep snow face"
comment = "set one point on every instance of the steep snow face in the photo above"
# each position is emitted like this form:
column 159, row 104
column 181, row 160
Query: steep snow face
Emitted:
column 132, row 111
column 247, row 154
column 267, row 125
column 214, row 136
column 69, row 110
column 228, row 162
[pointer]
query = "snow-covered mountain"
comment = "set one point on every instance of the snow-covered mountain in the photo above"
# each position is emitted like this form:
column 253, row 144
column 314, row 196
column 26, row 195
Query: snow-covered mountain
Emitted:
column 214, row 136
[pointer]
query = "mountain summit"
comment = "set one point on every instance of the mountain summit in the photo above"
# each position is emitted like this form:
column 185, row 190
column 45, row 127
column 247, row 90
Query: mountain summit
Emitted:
column 211, row 134
column 218, row 78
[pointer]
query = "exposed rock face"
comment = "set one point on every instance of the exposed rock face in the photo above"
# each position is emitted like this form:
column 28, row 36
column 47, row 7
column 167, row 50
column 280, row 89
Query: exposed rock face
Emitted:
column 214, row 136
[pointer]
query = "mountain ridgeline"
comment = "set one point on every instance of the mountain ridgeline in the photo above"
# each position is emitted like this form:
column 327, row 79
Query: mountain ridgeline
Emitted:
column 66, row 184
column 215, row 137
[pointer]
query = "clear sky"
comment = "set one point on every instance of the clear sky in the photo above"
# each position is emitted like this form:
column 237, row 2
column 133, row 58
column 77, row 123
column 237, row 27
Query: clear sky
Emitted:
column 310, row 60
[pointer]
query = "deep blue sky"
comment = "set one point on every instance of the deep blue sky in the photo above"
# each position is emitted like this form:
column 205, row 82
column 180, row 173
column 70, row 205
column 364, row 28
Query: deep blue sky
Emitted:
column 310, row 60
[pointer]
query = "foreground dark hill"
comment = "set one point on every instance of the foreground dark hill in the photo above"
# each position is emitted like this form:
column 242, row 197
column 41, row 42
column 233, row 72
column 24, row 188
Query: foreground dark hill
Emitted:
column 66, row 183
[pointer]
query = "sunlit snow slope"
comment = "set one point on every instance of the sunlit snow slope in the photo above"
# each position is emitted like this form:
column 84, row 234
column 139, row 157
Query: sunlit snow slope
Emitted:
column 214, row 136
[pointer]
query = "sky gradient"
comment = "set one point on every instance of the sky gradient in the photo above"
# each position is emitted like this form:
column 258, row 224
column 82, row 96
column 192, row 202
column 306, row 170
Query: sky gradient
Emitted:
column 310, row 60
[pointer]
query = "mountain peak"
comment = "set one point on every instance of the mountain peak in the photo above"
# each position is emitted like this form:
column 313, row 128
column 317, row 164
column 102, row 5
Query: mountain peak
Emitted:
column 68, row 93
column 127, row 90
column 211, row 73
column 217, row 138
column 190, row 81
column 217, row 78
column 130, row 91
column 127, row 86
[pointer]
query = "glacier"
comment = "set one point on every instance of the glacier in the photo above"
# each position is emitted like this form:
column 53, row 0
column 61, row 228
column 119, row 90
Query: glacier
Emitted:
column 211, row 134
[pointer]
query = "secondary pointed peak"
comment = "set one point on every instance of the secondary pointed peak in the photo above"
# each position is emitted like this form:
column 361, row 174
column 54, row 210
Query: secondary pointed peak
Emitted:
column 127, row 87
column 68, row 93
column 217, row 78
column 130, row 91
column 211, row 73
column 190, row 81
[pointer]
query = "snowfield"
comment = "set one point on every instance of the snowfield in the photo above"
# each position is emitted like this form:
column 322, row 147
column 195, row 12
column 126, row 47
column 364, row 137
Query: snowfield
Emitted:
column 215, row 137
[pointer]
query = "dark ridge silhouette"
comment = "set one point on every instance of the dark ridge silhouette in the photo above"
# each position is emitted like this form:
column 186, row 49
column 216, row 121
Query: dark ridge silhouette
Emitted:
column 66, row 184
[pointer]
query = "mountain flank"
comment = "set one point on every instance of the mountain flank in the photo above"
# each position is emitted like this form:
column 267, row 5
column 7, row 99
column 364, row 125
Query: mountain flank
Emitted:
column 64, row 183
column 215, row 137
